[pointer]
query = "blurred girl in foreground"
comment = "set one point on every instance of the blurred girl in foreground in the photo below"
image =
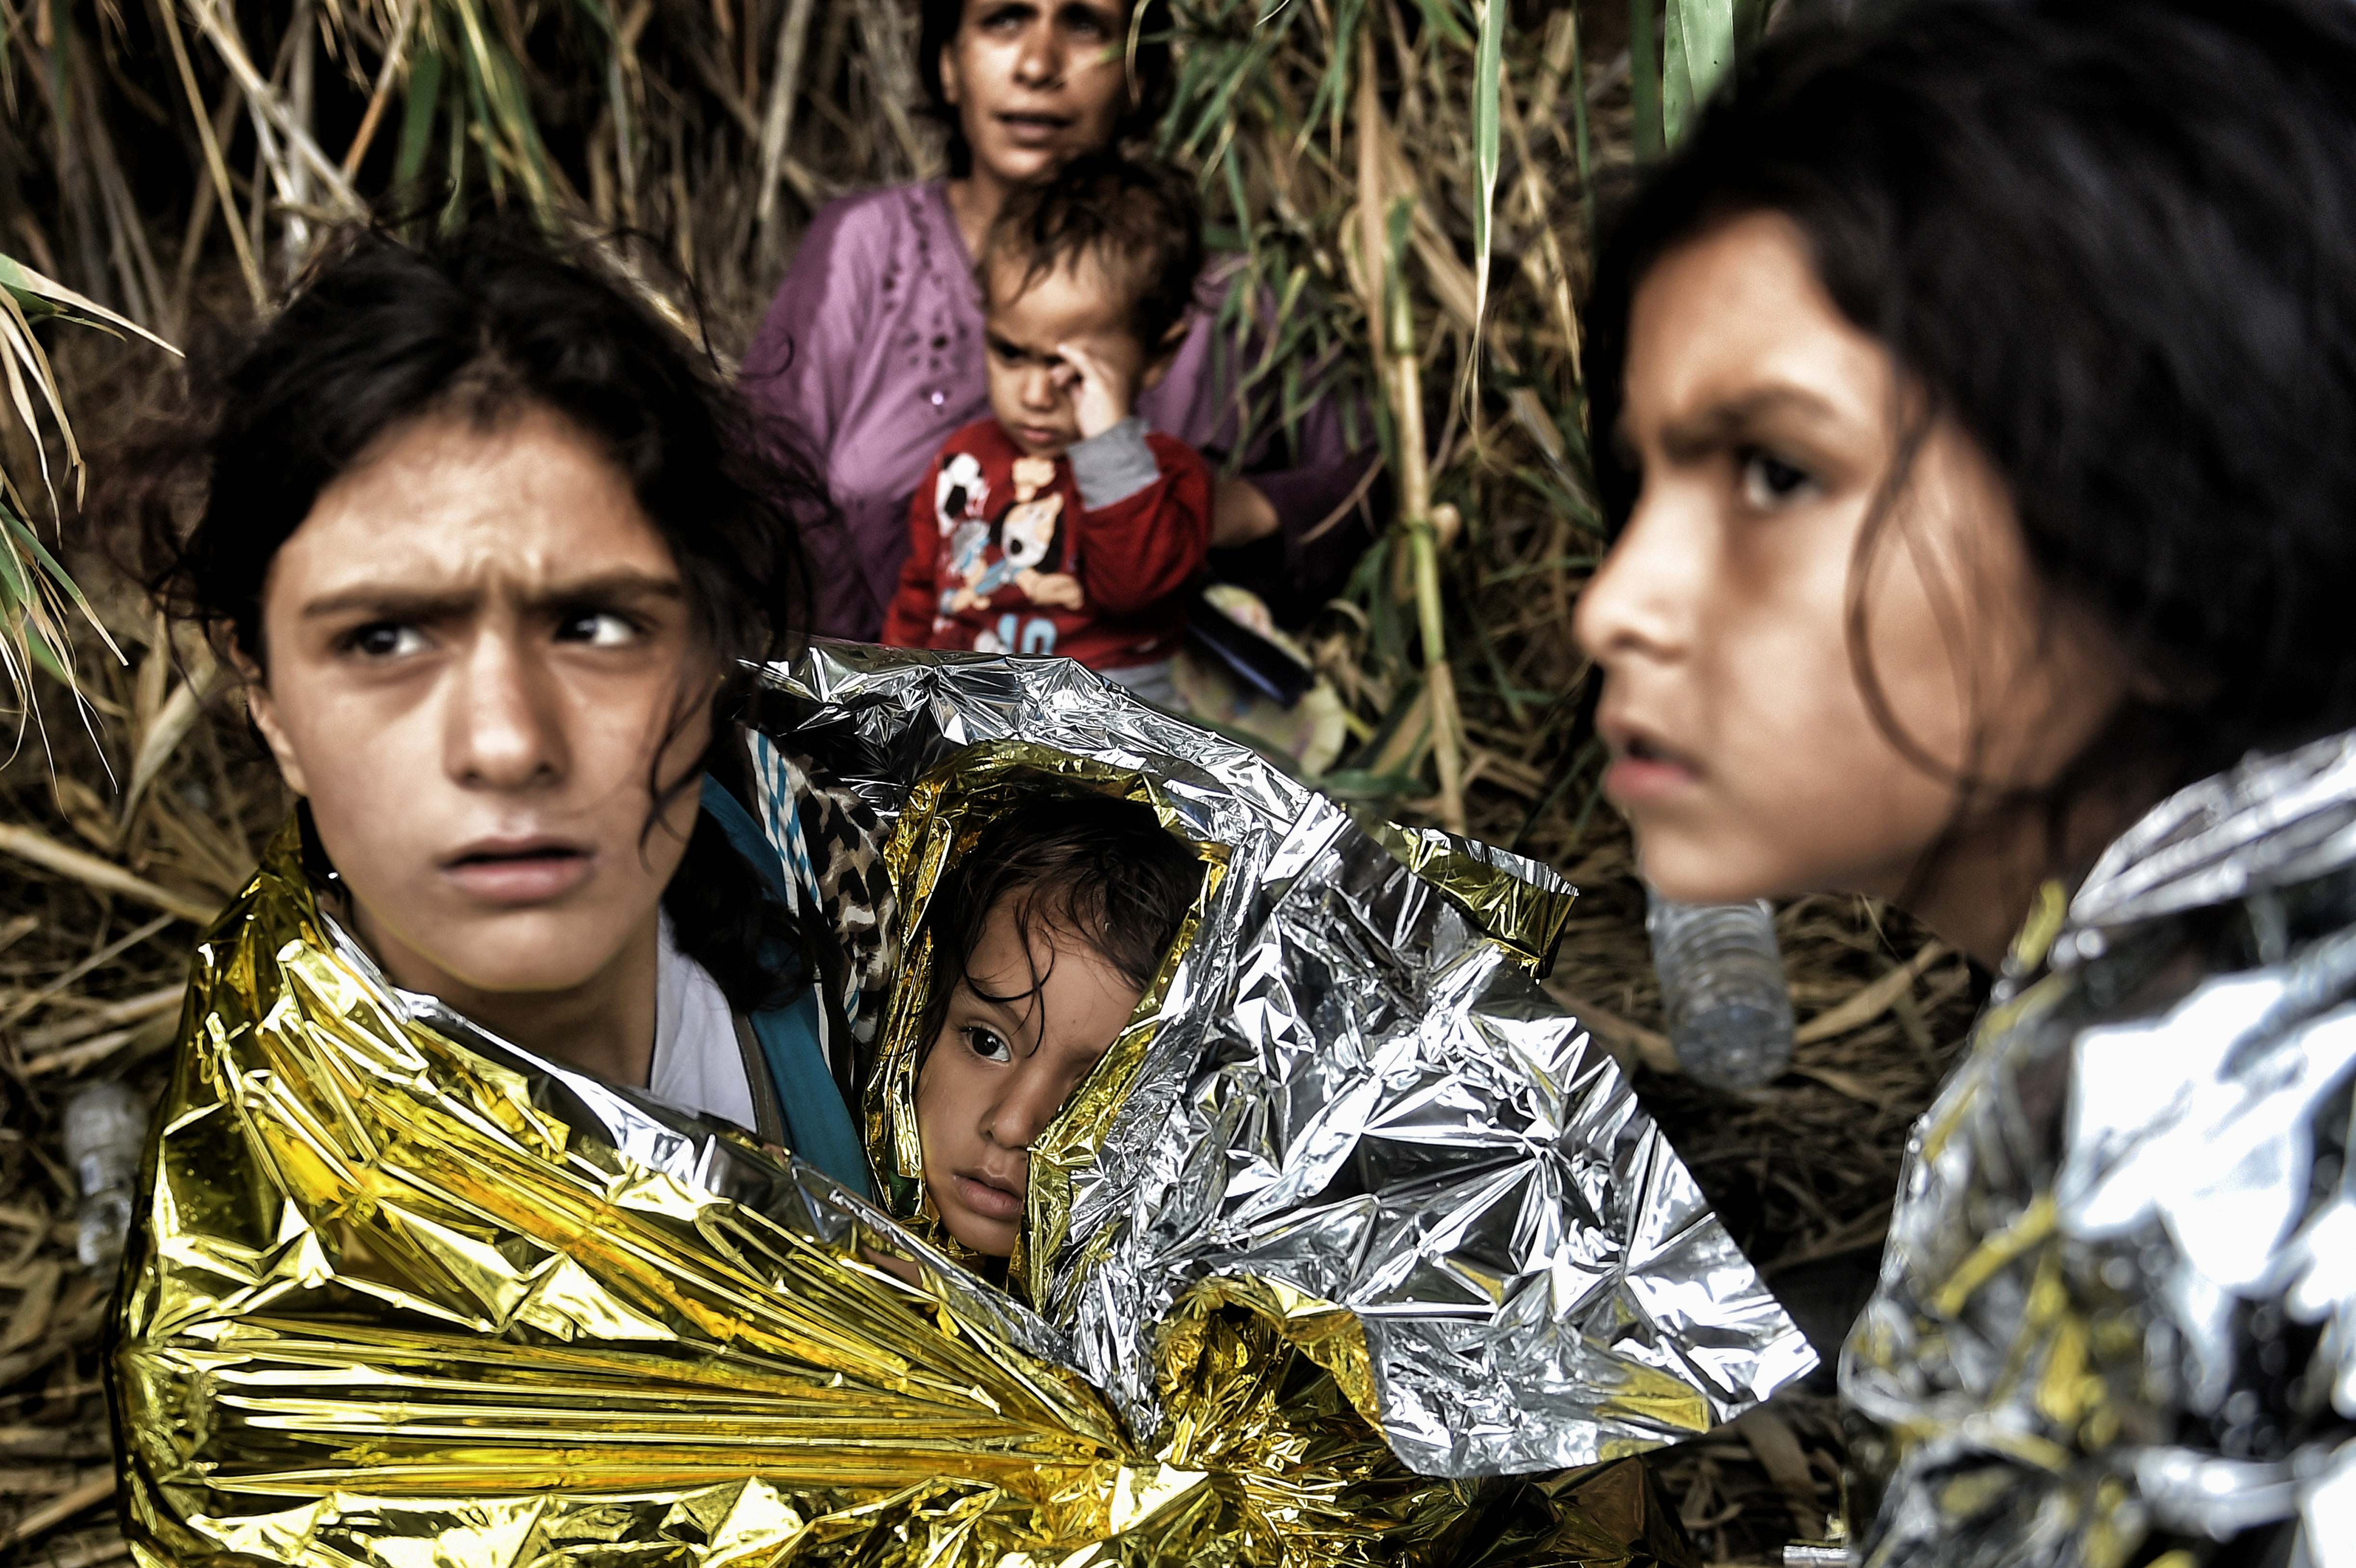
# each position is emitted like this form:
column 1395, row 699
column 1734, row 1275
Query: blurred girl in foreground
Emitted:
column 1976, row 396
column 487, row 545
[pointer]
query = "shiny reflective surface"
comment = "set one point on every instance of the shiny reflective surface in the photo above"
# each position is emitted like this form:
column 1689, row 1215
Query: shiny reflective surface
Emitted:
column 1347, row 1097
column 2118, row 1314
column 1350, row 1201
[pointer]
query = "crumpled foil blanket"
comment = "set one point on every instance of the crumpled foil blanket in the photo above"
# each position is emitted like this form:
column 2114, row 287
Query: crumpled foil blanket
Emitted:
column 2117, row 1316
column 1350, row 1220
column 1354, row 1103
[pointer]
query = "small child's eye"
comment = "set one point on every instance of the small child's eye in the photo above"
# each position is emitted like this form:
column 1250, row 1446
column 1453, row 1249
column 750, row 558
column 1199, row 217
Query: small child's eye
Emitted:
column 988, row 1045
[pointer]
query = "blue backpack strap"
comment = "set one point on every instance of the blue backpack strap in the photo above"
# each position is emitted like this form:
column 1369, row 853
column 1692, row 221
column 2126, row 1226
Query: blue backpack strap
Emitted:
column 818, row 1124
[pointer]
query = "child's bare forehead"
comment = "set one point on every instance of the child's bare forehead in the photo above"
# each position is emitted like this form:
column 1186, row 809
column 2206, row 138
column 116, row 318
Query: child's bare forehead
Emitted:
column 1053, row 305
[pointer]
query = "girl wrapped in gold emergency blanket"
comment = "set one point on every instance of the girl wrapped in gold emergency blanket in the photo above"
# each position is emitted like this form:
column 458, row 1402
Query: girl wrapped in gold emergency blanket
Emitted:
column 1349, row 1218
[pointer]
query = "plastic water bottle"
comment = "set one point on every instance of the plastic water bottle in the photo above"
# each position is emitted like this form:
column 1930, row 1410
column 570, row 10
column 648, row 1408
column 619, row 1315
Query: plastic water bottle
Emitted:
column 1722, row 989
column 106, row 1128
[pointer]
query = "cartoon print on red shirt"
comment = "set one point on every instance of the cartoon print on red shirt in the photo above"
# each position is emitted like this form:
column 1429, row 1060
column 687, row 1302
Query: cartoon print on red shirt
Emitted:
column 961, row 491
column 1045, row 575
column 961, row 499
column 1029, row 538
column 1033, row 475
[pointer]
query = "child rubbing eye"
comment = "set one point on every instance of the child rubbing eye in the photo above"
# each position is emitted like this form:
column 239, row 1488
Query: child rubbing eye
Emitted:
column 1060, row 524
column 1046, row 932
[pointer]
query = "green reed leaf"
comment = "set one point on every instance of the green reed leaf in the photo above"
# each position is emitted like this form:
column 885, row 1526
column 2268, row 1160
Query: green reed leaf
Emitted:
column 1697, row 52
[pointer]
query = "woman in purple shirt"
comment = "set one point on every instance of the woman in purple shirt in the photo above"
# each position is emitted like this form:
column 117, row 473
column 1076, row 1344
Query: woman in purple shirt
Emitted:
column 873, row 349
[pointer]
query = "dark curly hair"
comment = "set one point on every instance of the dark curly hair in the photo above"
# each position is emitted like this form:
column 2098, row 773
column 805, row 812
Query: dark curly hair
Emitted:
column 1138, row 219
column 2116, row 240
column 1065, row 858
column 1147, row 48
column 480, row 322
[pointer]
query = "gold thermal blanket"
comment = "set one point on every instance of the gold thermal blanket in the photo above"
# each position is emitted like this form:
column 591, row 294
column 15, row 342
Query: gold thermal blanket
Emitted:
column 406, row 1296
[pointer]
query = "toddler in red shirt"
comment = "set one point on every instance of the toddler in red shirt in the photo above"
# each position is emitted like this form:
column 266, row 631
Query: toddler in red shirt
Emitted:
column 1061, row 524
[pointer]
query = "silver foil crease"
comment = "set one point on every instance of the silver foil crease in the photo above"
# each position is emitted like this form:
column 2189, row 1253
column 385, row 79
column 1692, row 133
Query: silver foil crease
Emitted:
column 2117, row 1316
column 1358, row 1096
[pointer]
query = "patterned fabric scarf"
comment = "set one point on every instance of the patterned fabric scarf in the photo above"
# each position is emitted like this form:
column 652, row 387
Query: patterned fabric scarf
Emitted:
column 832, row 842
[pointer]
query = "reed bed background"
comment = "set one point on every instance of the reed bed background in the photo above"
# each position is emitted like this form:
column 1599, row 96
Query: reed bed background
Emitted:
column 1412, row 187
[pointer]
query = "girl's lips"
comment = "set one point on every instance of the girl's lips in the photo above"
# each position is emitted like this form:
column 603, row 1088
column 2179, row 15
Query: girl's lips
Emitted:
column 534, row 877
column 989, row 1202
column 1642, row 769
column 1632, row 780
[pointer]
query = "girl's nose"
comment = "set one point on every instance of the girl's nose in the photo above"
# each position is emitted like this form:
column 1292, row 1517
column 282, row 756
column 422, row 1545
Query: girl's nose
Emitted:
column 1641, row 598
column 505, row 729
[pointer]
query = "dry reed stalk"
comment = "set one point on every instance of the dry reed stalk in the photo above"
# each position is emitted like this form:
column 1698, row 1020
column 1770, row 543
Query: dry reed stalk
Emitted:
column 96, row 1486
column 31, row 843
column 1382, row 205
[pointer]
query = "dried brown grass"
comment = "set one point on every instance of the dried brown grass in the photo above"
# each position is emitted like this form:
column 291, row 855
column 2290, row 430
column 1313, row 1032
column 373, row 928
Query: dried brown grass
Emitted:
column 90, row 986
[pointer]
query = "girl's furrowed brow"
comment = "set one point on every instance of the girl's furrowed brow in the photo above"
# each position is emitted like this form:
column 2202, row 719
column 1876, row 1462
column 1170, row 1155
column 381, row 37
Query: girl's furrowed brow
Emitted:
column 623, row 586
column 1710, row 429
column 390, row 603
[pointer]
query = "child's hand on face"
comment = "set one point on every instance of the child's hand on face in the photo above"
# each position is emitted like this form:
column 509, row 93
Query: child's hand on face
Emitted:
column 1103, row 394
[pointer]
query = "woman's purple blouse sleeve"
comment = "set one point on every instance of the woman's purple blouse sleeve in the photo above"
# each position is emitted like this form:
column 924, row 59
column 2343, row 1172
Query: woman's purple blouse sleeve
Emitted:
column 797, row 375
column 797, row 370
column 870, row 357
column 1326, row 472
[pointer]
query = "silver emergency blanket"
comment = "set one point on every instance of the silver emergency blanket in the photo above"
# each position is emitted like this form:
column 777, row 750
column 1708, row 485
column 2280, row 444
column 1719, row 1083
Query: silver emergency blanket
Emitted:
column 2117, row 1316
column 1358, row 1110
column 1347, row 1215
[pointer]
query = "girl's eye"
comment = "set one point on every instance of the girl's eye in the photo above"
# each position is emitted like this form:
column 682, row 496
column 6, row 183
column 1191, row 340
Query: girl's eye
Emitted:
column 988, row 1045
column 598, row 628
column 385, row 640
column 1769, row 482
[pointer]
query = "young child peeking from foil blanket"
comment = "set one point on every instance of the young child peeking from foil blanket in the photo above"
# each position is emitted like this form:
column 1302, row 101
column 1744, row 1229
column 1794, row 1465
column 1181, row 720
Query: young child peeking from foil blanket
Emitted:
column 1060, row 524
column 1046, row 932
